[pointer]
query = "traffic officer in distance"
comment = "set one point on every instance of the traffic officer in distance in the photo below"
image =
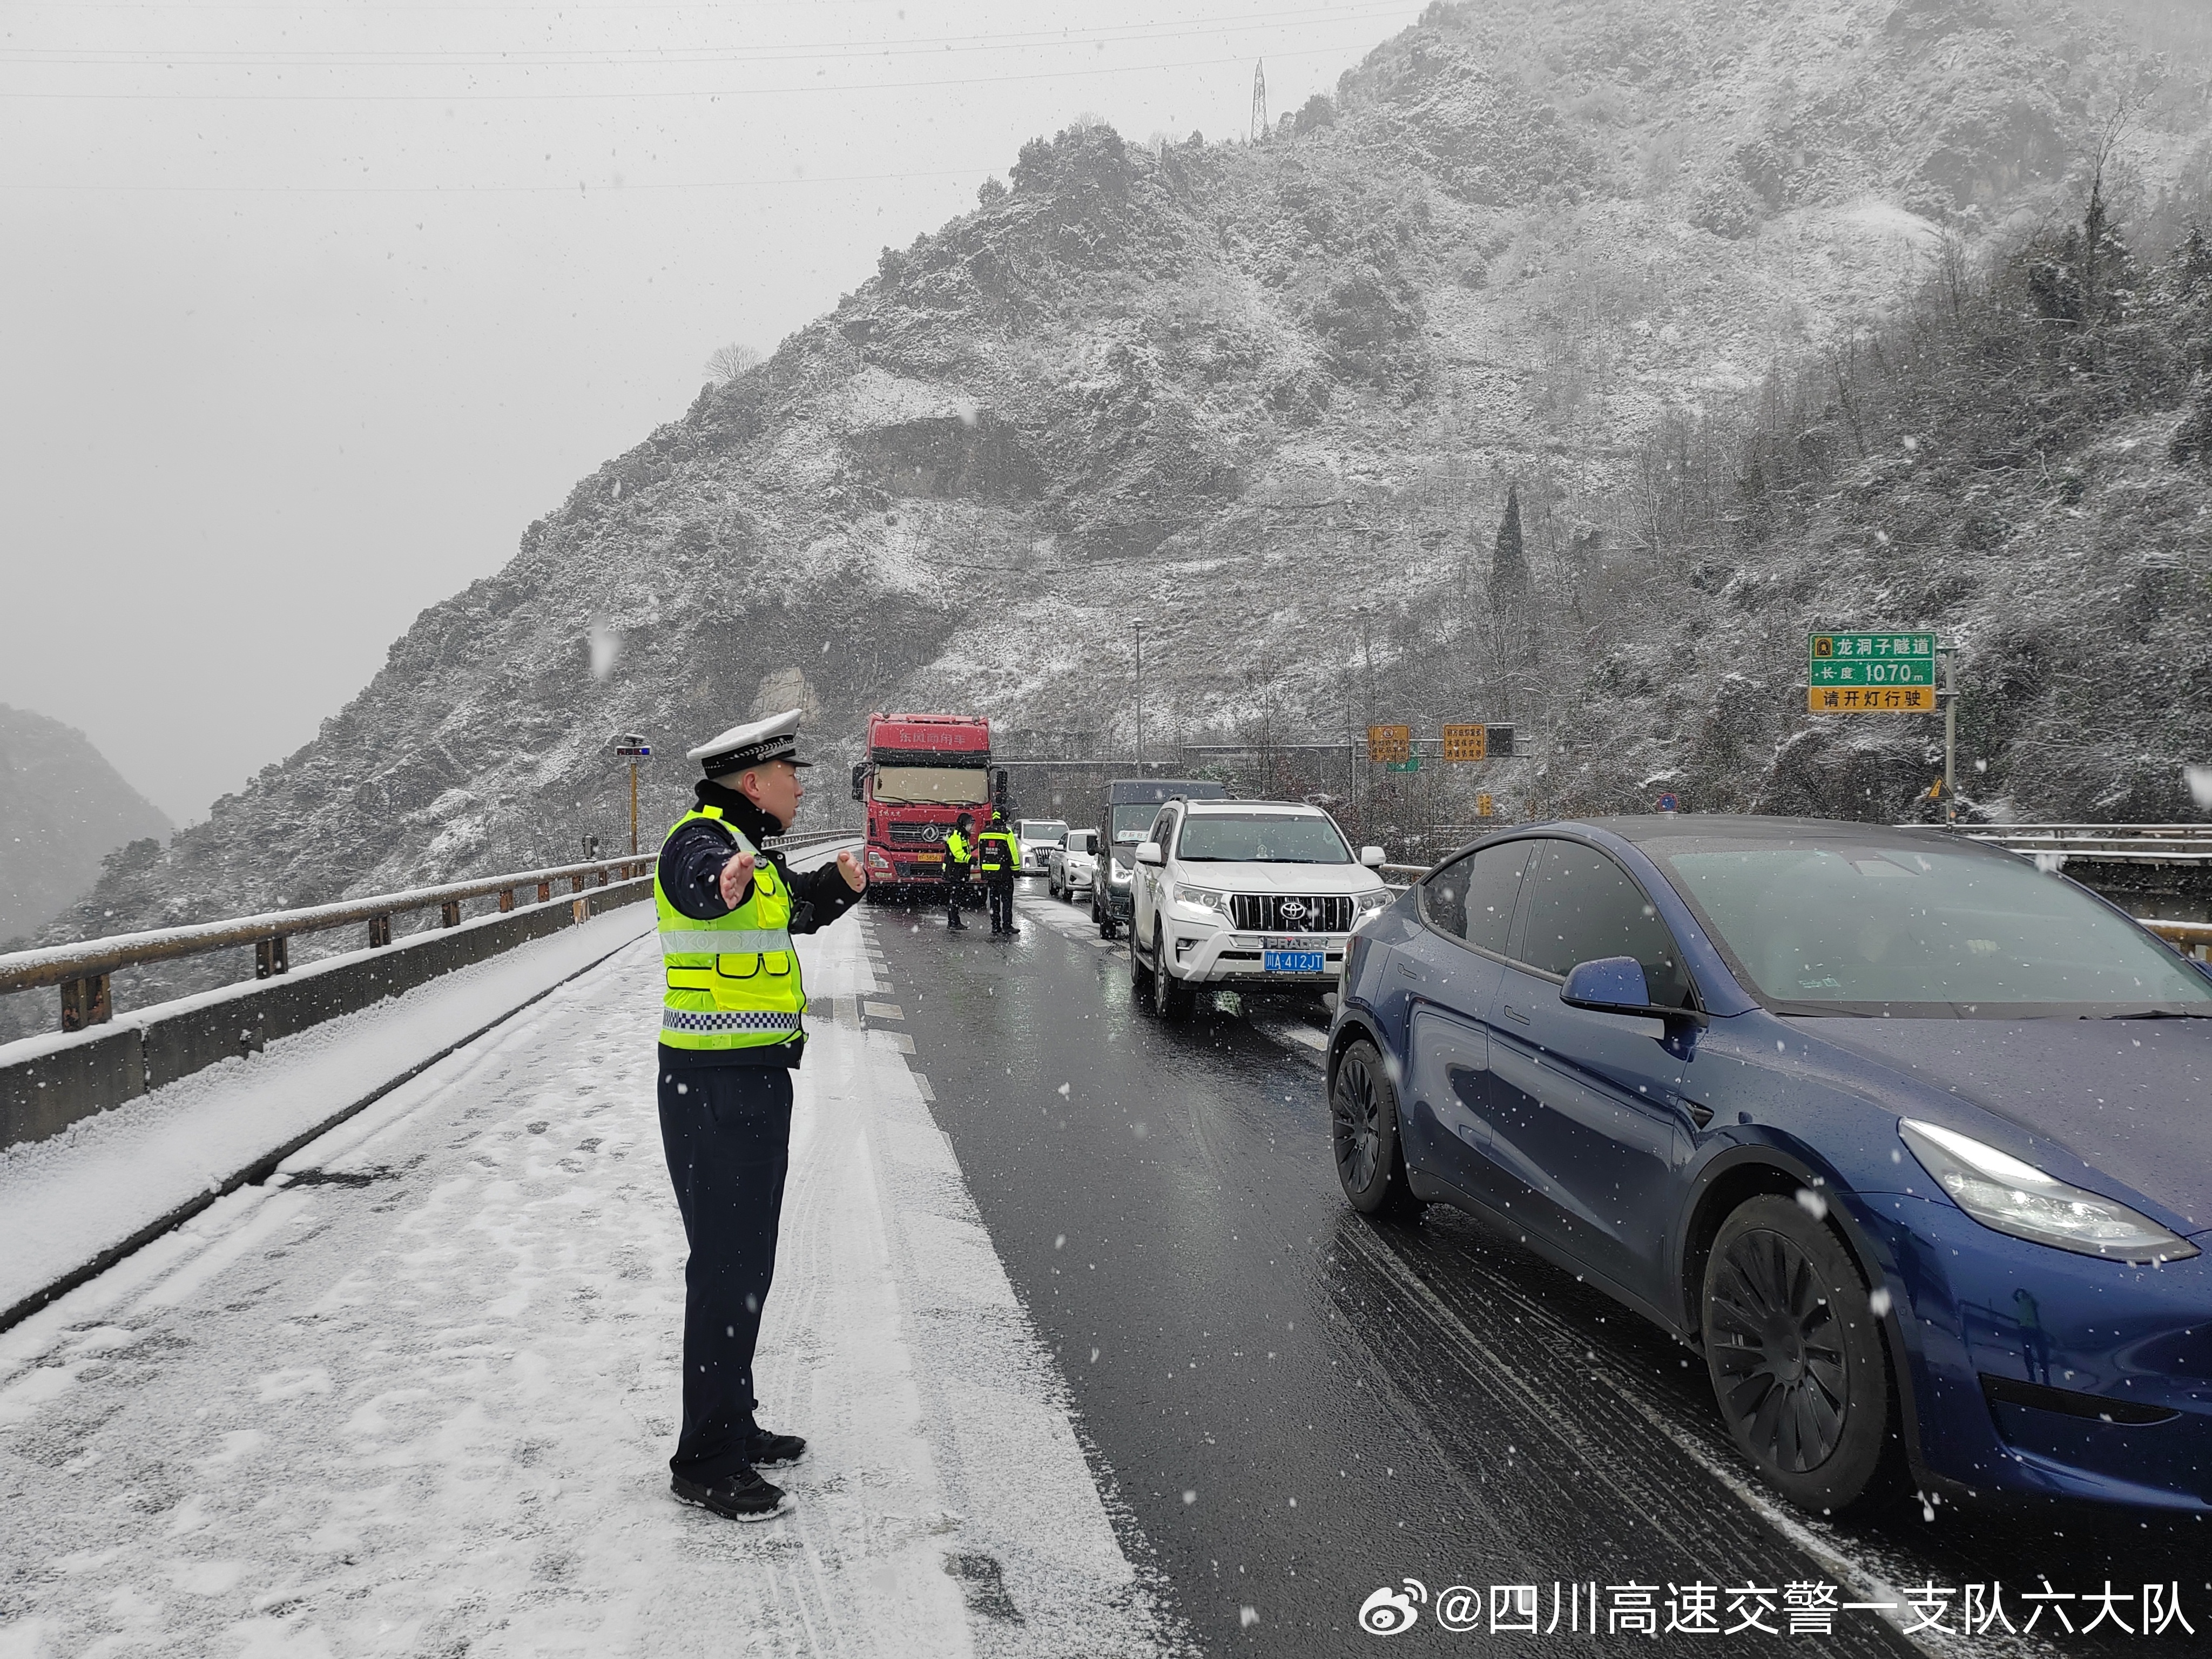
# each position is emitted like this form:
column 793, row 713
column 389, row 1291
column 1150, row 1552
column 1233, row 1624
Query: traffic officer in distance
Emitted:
column 959, row 854
column 731, row 1034
column 1001, row 855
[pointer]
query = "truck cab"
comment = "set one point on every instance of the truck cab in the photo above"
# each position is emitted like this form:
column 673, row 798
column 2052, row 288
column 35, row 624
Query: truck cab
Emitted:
column 922, row 772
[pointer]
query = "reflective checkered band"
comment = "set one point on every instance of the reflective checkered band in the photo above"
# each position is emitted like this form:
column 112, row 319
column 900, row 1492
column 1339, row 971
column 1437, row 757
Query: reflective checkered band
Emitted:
column 722, row 941
column 681, row 1020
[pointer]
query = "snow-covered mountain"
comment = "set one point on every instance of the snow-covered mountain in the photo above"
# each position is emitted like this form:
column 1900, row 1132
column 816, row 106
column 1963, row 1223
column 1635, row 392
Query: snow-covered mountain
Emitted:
column 1239, row 390
column 63, row 809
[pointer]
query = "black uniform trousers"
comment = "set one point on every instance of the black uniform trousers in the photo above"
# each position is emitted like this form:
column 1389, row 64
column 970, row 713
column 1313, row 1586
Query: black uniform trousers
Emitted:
column 1001, row 891
column 726, row 1133
column 956, row 889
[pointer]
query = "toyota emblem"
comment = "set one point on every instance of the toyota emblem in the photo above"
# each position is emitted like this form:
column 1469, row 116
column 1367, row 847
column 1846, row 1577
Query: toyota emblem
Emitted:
column 1294, row 910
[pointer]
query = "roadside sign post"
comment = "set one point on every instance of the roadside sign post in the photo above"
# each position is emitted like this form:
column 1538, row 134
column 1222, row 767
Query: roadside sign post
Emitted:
column 1888, row 673
column 1950, row 737
column 635, row 748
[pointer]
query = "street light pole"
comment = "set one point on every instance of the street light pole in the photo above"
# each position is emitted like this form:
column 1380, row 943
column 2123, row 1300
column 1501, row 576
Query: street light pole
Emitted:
column 1140, row 700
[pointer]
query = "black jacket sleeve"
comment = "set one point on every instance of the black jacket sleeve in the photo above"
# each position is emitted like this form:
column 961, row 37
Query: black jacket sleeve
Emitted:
column 818, row 897
column 691, row 870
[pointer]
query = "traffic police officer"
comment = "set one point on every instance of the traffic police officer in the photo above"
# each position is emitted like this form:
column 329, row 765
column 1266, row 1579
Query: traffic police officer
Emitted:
column 731, row 1034
column 959, row 854
column 1001, row 855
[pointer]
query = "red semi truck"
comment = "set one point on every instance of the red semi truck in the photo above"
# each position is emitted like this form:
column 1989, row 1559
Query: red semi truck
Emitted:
column 922, row 772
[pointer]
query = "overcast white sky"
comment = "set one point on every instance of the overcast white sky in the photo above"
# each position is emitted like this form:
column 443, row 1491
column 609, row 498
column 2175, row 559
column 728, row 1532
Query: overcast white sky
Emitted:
column 306, row 310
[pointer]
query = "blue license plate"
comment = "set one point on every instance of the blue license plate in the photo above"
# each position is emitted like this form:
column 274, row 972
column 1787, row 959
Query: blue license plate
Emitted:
column 1292, row 962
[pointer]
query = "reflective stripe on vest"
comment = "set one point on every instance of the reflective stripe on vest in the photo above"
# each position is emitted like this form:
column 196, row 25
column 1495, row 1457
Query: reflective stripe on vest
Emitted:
column 682, row 1019
column 733, row 982
column 688, row 942
column 1005, row 850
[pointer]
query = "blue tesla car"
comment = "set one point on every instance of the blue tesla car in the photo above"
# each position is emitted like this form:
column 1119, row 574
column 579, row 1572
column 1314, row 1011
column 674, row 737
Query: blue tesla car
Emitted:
column 1908, row 1138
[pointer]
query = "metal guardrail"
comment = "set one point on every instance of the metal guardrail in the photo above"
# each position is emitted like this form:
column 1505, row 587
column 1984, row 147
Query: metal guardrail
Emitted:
column 83, row 969
column 2103, row 843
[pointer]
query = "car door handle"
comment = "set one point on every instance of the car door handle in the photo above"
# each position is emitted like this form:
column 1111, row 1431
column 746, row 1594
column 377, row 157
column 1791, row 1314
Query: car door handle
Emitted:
column 1511, row 1012
column 1409, row 970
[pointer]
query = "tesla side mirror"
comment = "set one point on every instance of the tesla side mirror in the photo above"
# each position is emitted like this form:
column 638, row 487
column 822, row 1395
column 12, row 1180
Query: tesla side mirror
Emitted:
column 1610, row 985
column 1371, row 857
column 1148, row 852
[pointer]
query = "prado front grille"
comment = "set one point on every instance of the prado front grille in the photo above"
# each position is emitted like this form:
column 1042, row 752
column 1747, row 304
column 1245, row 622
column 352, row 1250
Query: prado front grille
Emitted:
column 1289, row 913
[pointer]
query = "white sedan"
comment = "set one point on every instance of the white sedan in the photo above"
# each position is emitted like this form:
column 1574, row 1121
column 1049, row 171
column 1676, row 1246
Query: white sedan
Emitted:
column 1073, row 866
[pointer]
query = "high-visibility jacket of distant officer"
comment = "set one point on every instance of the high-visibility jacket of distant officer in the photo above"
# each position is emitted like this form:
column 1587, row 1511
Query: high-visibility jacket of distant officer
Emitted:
column 959, row 854
column 999, row 852
column 733, row 1028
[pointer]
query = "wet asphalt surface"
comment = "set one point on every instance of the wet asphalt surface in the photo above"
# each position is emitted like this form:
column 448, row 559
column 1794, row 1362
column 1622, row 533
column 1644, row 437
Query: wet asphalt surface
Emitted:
column 1289, row 1407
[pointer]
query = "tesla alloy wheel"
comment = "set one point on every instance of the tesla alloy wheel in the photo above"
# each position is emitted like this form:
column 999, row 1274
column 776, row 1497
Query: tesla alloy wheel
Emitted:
column 1363, row 1111
column 1796, row 1358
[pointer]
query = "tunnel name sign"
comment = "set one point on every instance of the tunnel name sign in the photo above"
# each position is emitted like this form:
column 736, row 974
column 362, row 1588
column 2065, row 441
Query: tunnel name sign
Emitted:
column 1885, row 673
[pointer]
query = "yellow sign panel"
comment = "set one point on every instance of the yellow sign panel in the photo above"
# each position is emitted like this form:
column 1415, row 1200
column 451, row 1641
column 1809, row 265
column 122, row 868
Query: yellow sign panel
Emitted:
column 1482, row 807
column 1871, row 699
column 1466, row 742
column 1389, row 743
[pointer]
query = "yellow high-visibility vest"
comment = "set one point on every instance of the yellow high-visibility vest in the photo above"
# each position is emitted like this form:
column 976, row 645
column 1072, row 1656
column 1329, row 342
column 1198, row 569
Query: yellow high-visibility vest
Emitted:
column 733, row 982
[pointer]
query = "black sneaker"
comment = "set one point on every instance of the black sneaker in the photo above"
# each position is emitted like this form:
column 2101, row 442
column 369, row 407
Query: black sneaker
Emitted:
column 743, row 1495
column 773, row 1451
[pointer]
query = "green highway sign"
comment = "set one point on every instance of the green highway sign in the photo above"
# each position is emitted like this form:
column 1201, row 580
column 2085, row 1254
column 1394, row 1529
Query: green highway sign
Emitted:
column 1411, row 763
column 1864, row 660
column 1887, row 673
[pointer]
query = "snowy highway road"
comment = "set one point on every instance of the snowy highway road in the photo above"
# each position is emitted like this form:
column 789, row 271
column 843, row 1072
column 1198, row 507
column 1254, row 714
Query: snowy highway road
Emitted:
column 417, row 1395
column 1094, row 1358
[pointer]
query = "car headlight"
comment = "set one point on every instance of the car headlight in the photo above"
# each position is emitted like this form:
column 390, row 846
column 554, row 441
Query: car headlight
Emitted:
column 2002, row 1192
column 1121, row 874
column 1371, row 904
column 1206, row 899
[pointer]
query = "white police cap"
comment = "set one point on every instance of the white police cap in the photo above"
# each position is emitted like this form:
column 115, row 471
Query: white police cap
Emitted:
column 775, row 739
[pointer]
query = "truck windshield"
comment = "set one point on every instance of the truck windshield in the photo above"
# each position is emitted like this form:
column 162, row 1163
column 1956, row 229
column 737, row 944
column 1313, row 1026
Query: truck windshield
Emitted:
column 1260, row 838
column 933, row 786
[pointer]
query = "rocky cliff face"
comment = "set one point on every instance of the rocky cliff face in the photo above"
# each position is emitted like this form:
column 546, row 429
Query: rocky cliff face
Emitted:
column 1238, row 390
column 62, row 809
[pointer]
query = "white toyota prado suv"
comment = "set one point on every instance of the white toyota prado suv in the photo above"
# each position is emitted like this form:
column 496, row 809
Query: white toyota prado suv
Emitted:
column 1255, row 895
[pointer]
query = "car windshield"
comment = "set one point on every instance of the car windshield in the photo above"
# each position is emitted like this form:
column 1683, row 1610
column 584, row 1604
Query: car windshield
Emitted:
column 1043, row 830
column 1822, row 926
column 936, row 786
column 1130, row 822
column 1260, row 838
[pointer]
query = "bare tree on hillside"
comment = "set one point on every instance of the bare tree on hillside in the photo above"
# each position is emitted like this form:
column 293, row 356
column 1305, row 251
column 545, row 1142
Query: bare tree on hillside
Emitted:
column 729, row 362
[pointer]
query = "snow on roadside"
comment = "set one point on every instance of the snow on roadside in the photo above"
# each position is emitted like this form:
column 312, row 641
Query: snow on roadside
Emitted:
column 68, row 1198
column 419, row 1396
